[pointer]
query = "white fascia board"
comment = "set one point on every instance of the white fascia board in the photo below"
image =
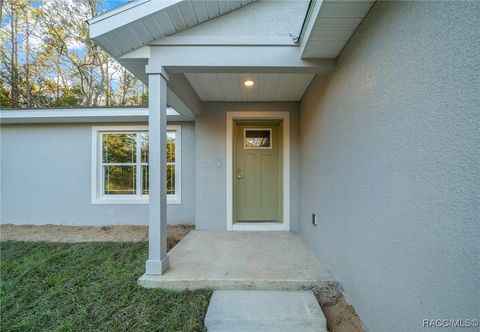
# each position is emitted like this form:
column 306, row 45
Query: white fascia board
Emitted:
column 127, row 6
column 141, row 53
column 123, row 15
column 88, row 115
column 231, row 59
column 311, row 19
column 224, row 40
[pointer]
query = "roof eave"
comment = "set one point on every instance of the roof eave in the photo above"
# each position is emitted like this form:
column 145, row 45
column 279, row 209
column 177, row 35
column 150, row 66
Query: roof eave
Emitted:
column 120, row 16
column 81, row 115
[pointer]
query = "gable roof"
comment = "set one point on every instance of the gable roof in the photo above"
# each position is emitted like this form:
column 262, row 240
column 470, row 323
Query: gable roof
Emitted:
column 133, row 25
column 329, row 26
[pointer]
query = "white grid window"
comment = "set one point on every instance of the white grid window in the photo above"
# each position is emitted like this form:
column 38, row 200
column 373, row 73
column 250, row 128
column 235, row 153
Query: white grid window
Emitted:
column 120, row 165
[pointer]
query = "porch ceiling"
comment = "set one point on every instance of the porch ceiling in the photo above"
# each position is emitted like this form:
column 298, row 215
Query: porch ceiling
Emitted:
column 268, row 87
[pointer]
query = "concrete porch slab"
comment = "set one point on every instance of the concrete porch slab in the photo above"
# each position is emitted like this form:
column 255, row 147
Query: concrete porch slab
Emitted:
column 241, row 260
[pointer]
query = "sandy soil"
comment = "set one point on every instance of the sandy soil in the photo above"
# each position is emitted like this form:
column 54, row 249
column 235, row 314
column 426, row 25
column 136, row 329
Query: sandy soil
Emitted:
column 341, row 316
column 54, row 233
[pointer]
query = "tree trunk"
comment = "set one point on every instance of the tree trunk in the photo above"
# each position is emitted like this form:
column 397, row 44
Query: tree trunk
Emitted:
column 57, row 76
column 95, row 92
column 14, row 55
column 124, row 87
column 107, row 85
column 1, row 10
column 27, row 61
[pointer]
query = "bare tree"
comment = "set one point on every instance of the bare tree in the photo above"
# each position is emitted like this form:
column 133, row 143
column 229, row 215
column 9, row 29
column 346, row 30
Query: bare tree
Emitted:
column 14, row 53
column 27, row 60
column 46, row 58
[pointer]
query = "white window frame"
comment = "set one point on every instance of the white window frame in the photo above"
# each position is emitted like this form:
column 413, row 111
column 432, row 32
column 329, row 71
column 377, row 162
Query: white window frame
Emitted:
column 177, row 198
column 96, row 167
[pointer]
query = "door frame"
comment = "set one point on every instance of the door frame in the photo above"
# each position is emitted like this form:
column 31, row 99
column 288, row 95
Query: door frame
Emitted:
column 285, row 117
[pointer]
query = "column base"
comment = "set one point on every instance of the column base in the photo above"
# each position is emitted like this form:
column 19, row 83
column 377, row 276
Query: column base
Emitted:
column 156, row 266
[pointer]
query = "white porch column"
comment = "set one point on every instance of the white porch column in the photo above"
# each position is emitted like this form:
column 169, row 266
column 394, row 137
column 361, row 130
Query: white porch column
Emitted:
column 157, row 261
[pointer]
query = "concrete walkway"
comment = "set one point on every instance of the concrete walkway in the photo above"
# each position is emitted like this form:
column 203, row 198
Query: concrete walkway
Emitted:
column 262, row 311
column 241, row 260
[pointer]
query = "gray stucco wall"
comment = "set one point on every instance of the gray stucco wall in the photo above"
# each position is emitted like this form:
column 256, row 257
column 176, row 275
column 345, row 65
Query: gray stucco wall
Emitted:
column 210, row 162
column 390, row 165
column 46, row 179
column 259, row 19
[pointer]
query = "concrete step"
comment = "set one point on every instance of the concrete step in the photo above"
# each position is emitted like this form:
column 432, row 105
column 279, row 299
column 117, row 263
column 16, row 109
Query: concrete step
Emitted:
column 264, row 310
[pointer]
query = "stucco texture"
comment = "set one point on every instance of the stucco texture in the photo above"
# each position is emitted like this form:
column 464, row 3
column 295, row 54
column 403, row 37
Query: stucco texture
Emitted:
column 262, row 19
column 390, row 165
column 46, row 179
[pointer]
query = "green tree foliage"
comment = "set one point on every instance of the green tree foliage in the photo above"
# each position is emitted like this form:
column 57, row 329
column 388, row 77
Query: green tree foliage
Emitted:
column 47, row 59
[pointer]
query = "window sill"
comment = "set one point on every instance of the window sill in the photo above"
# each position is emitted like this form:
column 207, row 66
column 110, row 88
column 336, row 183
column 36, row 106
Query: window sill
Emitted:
column 130, row 201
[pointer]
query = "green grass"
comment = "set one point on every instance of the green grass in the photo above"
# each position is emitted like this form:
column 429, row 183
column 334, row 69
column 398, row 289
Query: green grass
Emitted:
column 88, row 287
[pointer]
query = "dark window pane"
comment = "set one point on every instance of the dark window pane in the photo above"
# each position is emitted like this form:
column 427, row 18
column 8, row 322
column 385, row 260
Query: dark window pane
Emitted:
column 257, row 139
column 257, row 133
column 144, row 147
column 119, row 180
column 170, row 146
column 145, row 180
column 119, row 148
column 170, row 179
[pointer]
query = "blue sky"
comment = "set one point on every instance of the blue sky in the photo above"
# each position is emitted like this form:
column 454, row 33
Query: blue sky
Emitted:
column 110, row 4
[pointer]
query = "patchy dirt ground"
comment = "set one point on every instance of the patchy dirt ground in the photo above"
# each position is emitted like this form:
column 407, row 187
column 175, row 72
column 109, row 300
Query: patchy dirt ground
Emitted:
column 341, row 316
column 55, row 233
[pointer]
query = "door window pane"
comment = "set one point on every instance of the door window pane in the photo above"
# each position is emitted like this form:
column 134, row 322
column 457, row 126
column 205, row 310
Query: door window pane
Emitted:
column 119, row 148
column 257, row 139
column 119, row 180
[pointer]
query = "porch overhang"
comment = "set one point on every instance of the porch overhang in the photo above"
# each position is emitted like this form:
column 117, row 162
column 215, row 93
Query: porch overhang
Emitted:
column 235, row 59
column 148, row 36
column 177, row 60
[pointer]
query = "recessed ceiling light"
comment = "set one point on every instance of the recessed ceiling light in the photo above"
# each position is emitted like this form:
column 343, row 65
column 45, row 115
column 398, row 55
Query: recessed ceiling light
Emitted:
column 249, row 83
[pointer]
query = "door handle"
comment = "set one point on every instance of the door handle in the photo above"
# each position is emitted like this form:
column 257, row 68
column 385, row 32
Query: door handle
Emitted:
column 240, row 177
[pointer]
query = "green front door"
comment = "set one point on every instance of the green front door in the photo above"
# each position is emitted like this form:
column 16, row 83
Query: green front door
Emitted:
column 256, row 172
